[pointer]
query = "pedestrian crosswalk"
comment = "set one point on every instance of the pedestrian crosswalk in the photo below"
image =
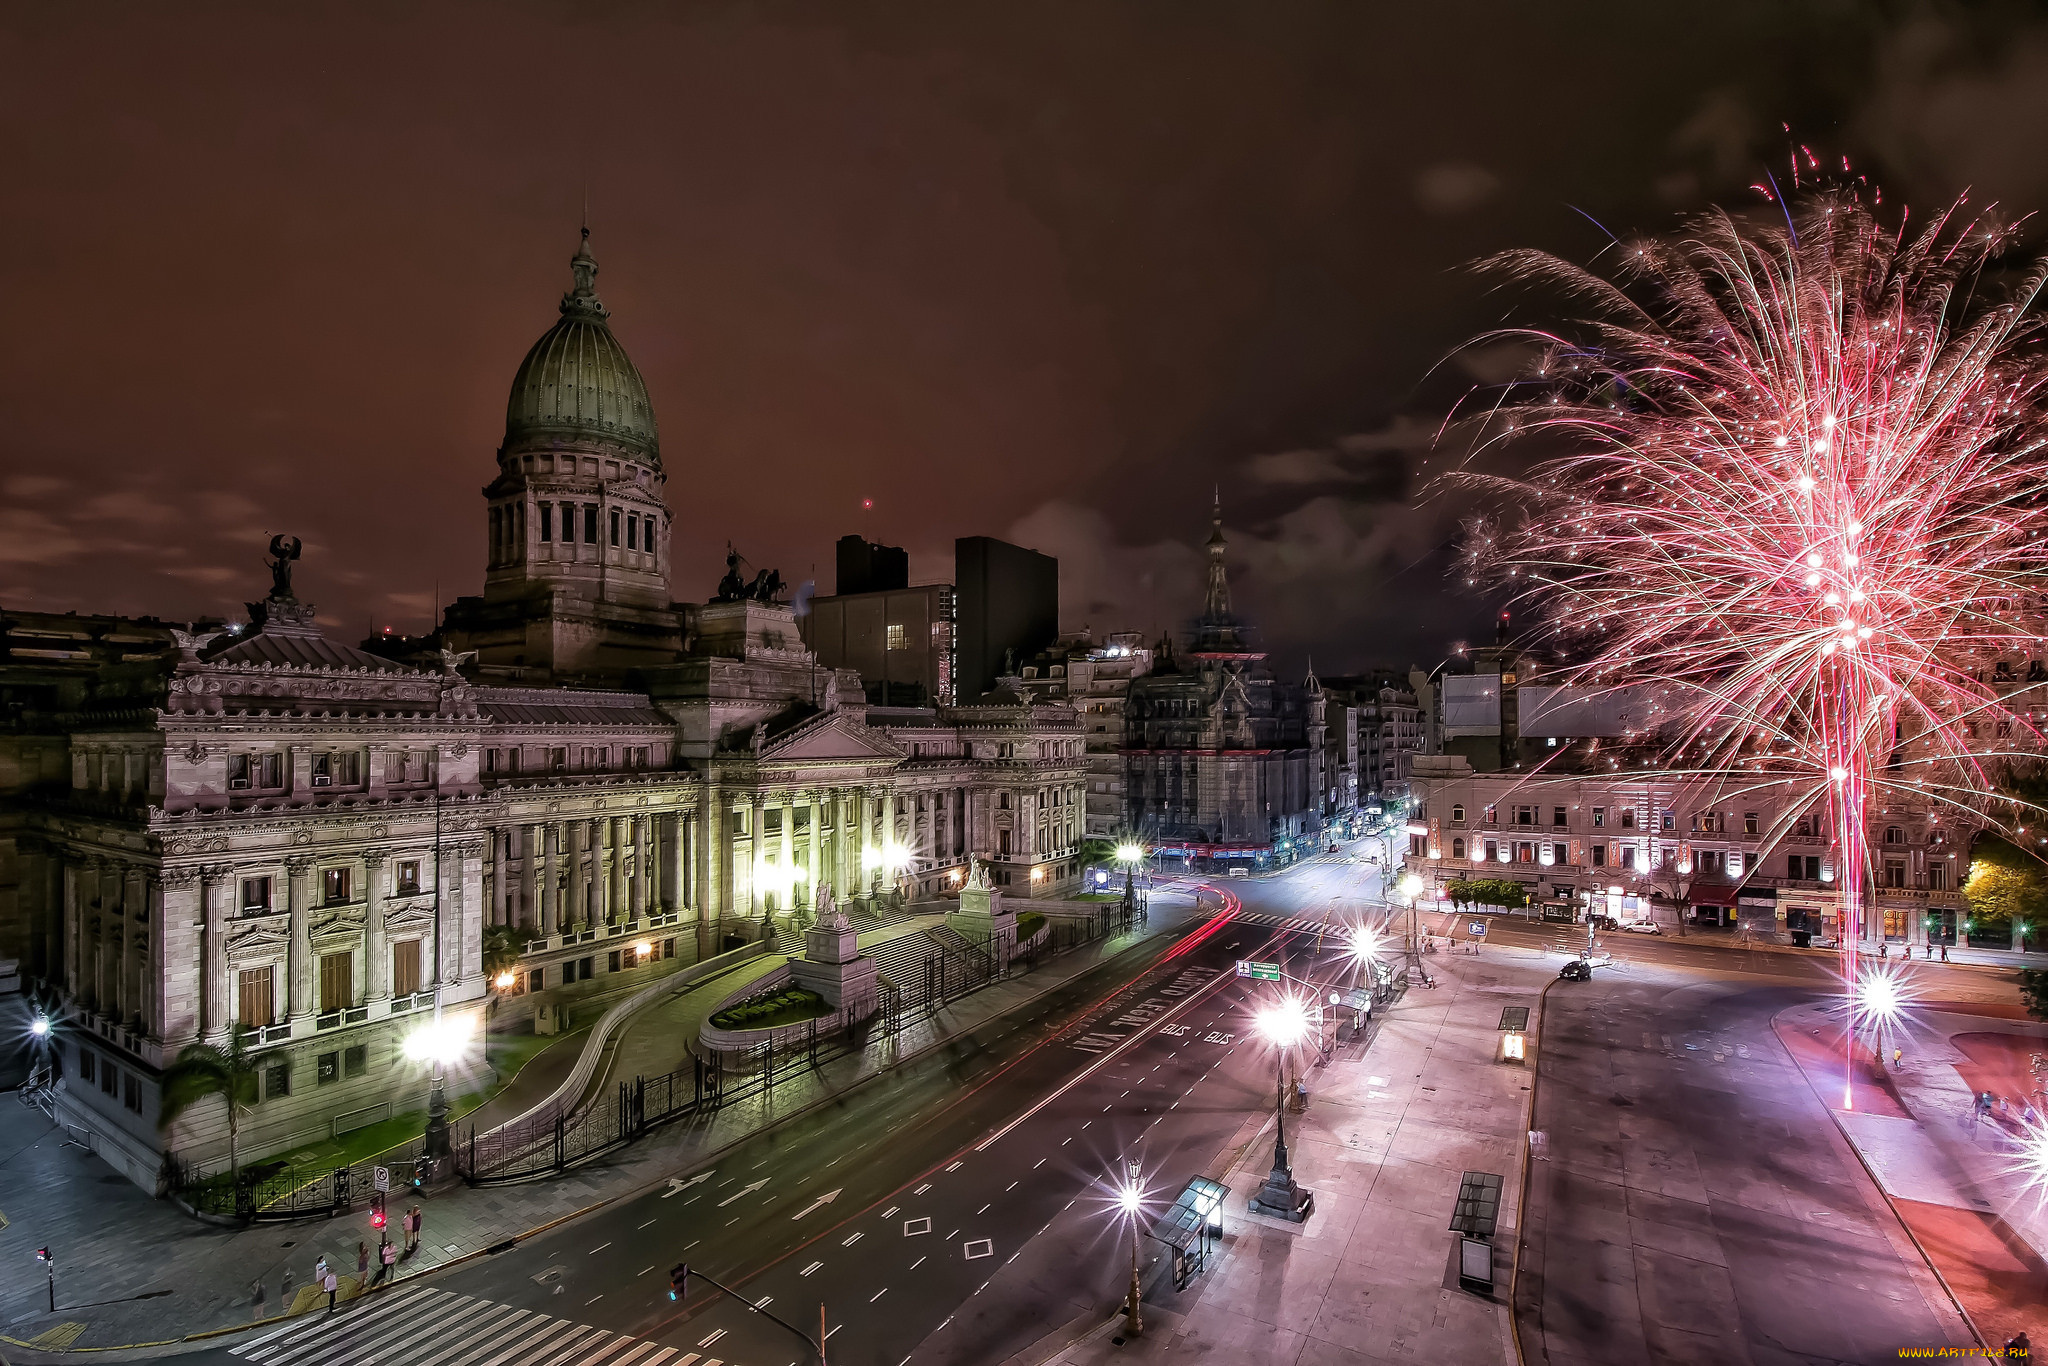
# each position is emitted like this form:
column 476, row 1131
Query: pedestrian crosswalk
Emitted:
column 1291, row 922
column 422, row 1327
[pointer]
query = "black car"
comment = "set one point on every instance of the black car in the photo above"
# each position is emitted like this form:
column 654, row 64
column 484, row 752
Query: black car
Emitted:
column 1605, row 922
column 1578, row 970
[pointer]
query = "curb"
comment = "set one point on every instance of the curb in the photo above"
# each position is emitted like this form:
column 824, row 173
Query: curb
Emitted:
column 1522, row 1205
column 1889, row 1203
column 507, row 1243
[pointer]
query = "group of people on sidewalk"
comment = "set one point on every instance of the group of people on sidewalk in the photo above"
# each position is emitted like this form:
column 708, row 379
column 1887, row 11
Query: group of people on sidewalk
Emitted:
column 387, row 1257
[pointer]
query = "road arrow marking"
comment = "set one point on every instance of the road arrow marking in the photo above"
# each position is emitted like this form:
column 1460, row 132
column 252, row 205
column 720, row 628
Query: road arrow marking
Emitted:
column 743, row 1190
column 676, row 1184
column 827, row 1198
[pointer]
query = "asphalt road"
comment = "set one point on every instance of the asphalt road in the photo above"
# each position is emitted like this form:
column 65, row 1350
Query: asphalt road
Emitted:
column 1692, row 1199
column 893, row 1207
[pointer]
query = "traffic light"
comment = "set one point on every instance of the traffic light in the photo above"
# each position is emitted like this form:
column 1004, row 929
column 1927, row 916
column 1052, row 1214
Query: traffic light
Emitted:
column 679, row 1280
column 377, row 1210
column 43, row 1255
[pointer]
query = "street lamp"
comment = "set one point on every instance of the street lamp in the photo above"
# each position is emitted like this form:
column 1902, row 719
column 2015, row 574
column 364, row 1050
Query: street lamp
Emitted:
column 1284, row 1024
column 1130, row 854
column 1131, row 1200
column 439, row 1042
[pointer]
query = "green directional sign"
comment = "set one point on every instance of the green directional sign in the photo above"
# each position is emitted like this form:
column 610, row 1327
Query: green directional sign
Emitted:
column 1265, row 972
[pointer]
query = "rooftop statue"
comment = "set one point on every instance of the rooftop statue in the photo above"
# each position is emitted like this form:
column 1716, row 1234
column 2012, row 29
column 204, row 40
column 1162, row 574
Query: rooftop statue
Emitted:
column 285, row 549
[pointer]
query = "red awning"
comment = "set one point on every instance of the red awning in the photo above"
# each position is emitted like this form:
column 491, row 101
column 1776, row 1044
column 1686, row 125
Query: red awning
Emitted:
column 1713, row 896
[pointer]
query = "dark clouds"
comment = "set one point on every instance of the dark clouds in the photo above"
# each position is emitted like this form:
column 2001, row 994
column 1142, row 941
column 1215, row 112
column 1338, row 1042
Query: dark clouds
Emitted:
column 1049, row 271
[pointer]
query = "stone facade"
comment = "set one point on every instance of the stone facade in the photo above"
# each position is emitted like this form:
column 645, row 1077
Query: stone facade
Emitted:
column 258, row 825
column 1597, row 838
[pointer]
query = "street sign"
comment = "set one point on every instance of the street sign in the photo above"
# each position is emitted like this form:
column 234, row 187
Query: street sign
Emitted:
column 1265, row 972
column 380, row 1178
column 1478, row 929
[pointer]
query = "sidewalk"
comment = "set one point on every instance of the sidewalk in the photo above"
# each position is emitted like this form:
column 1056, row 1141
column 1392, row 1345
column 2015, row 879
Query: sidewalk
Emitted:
column 1952, row 1179
column 1371, row 1279
column 137, row 1271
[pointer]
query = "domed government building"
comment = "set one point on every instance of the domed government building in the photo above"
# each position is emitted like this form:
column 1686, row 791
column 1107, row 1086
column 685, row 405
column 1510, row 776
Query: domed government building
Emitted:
column 246, row 829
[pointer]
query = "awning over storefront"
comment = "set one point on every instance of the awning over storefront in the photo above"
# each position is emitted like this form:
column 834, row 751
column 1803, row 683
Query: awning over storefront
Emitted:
column 1713, row 895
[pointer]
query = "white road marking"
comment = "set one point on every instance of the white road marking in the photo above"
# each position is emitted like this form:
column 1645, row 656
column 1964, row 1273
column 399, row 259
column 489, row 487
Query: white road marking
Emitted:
column 716, row 1334
column 599, row 1248
column 916, row 1264
column 809, row 1269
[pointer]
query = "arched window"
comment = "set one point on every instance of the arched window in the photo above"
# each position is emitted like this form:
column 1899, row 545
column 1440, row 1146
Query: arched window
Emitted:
column 1458, row 845
column 1458, row 817
column 1894, row 835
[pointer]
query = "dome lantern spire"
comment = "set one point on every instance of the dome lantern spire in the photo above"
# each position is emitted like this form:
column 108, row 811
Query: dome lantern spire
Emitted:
column 581, row 301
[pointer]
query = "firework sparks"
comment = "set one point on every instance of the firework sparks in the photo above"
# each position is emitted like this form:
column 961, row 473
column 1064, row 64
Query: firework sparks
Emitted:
column 1802, row 496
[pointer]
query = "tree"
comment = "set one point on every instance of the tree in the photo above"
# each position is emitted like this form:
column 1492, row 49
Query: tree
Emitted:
column 2034, row 991
column 205, row 1069
column 2005, row 885
column 502, row 946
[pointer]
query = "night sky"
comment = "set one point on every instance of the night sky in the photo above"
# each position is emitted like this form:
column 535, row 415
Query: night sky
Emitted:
column 1042, row 271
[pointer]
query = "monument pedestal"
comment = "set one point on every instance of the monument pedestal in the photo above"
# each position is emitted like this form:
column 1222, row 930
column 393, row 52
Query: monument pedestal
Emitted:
column 832, row 964
column 983, row 920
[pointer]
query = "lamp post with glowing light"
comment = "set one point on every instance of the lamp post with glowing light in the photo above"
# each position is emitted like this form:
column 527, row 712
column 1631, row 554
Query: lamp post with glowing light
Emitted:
column 440, row 1041
column 1131, row 1200
column 1130, row 854
column 1284, row 1024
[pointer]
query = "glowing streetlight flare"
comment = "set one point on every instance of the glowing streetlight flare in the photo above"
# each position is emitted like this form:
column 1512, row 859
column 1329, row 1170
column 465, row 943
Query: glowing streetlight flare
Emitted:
column 1285, row 1022
column 442, row 1040
column 1130, row 853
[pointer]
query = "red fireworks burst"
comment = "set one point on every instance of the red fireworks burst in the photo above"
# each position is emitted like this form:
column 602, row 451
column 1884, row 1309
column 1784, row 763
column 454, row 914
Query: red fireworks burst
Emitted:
column 1803, row 493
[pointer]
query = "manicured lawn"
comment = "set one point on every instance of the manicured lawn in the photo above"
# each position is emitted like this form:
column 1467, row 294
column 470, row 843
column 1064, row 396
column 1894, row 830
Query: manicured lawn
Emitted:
column 1028, row 924
column 509, row 1054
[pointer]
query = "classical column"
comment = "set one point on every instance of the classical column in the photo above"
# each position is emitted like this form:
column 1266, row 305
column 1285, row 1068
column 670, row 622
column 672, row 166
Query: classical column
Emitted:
column 448, row 923
column 611, row 836
column 710, row 887
column 216, row 905
column 530, row 918
column 579, row 875
column 501, row 876
column 299, row 890
column 466, row 944
column 552, row 921
column 376, row 953
column 816, row 861
column 755, row 905
column 672, row 862
column 149, row 945
column 74, row 938
column 788, row 868
column 178, row 957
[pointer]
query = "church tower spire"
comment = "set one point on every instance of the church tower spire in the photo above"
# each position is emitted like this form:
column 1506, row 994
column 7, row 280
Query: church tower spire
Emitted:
column 1217, row 631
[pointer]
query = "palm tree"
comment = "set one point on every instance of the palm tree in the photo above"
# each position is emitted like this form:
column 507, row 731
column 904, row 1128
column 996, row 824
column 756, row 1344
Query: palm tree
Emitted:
column 206, row 1069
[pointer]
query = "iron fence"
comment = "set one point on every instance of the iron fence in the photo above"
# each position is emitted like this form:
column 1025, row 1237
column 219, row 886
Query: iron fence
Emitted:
column 279, row 1190
column 554, row 1141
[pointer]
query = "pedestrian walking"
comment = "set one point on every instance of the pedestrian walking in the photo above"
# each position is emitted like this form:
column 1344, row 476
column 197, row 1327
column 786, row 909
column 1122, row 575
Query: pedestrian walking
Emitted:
column 1884, row 950
column 362, row 1263
column 320, row 1268
column 284, row 1293
column 330, row 1283
column 262, row 1294
column 1944, row 950
column 387, row 1253
column 1895, row 1059
column 2017, row 1348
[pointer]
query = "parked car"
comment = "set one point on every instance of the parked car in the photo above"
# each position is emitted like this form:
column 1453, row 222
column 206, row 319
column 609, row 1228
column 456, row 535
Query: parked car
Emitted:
column 1578, row 970
column 1641, row 927
column 1604, row 922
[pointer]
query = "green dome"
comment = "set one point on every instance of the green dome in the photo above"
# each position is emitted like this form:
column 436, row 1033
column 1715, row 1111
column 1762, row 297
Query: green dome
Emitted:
column 577, row 382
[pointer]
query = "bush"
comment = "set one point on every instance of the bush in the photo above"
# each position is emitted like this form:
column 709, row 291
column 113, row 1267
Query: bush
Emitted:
column 791, row 1005
column 1504, row 892
column 1028, row 924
